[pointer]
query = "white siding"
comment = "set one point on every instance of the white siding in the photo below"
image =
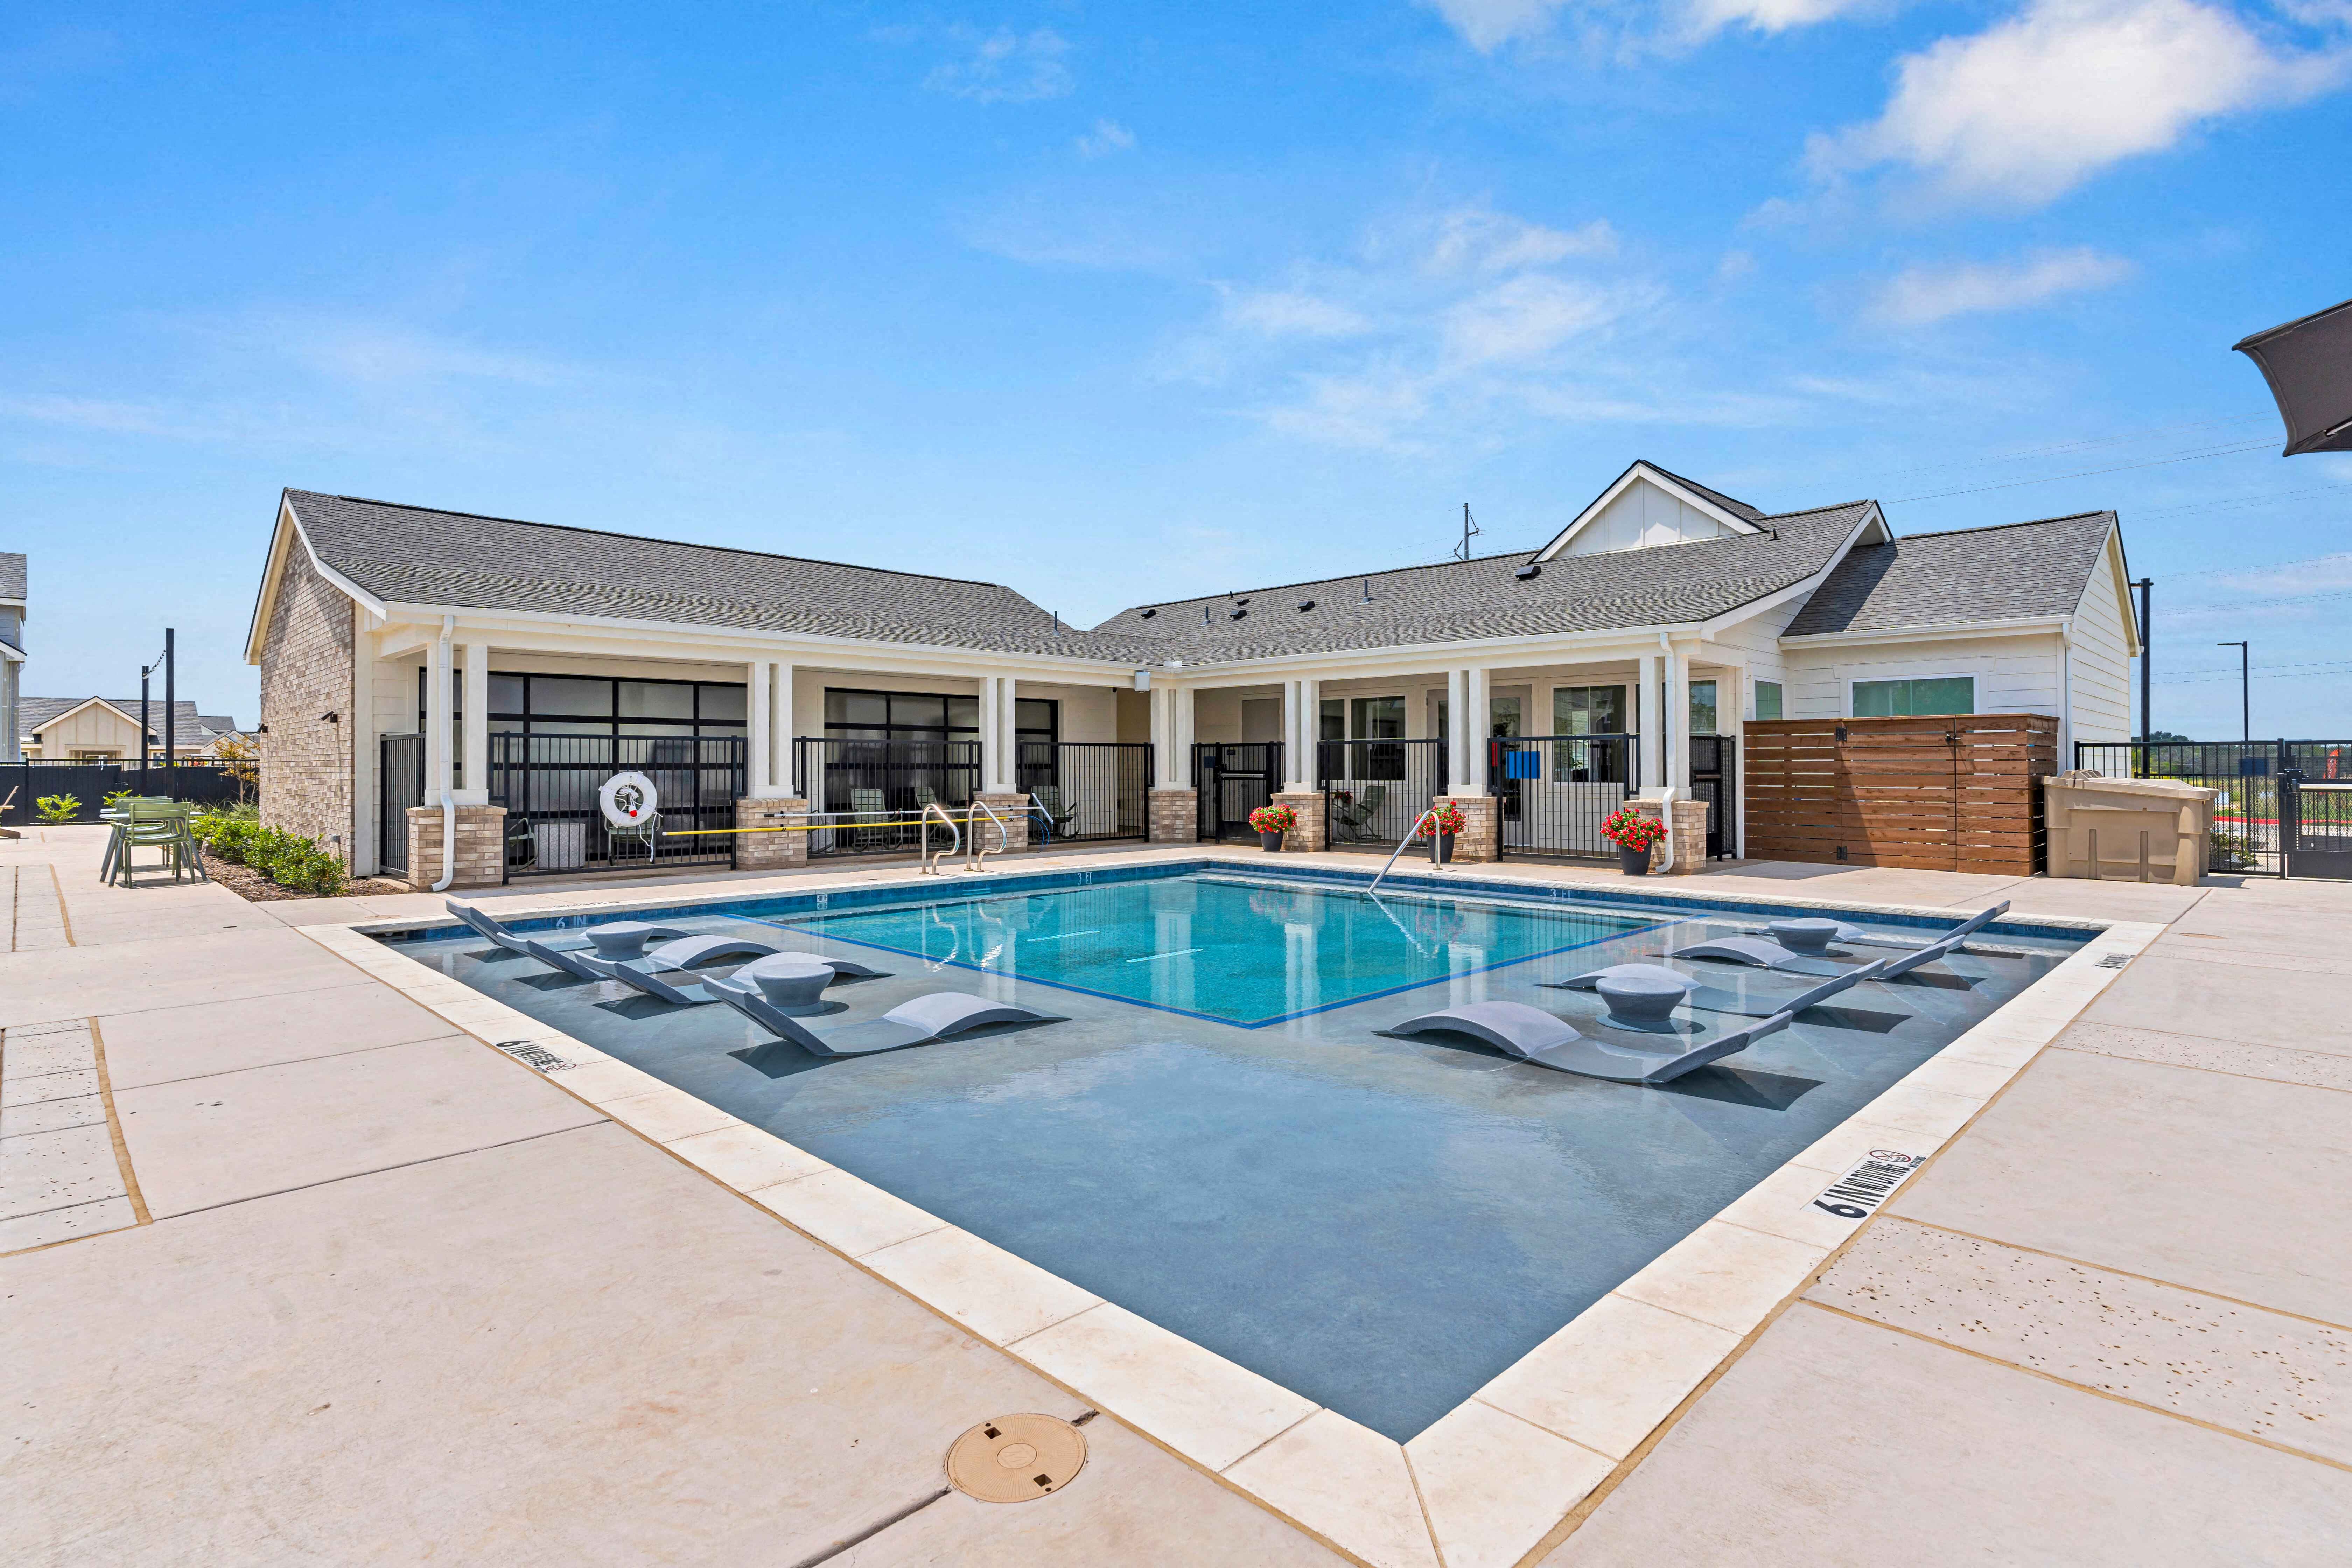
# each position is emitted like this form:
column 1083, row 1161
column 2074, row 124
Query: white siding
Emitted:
column 2019, row 673
column 2101, row 662
column 1643, row 516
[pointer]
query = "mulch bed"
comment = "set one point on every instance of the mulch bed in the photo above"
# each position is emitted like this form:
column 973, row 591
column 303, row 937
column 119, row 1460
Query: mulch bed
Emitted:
column 255, row 889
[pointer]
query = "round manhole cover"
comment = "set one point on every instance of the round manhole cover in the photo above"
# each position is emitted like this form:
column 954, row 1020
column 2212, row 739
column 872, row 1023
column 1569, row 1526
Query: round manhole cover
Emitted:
column 1015, row 1457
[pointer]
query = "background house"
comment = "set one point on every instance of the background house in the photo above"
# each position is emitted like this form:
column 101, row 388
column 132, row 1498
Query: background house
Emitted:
column 106, row 729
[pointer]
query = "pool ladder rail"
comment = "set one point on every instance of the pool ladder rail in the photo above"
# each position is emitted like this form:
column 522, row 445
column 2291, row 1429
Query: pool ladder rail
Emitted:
column 1434, row 863
column 976, row 858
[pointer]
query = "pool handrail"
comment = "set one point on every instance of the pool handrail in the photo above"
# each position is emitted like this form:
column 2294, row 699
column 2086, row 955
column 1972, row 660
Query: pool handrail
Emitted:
column 1434, row 863
column 977, row 857
column 930, row 862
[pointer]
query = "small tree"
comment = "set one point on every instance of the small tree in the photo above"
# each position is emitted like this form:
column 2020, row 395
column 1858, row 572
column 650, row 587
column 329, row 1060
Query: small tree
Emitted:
column 58, row 808
column 240, row 758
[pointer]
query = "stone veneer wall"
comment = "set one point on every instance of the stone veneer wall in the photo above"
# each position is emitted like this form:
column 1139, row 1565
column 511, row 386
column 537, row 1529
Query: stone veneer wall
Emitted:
column 1482, row 822
column 481, row 859
column 1689, row 838
column 1175, row 814
column 1310, row 834
column 771, row 851
column 307, row 669
column 1014, row 809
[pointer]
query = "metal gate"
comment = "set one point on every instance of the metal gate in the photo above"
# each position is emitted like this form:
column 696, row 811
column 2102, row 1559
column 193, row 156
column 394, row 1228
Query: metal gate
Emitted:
column 868, row 795
column 1373, row 791
column 2315, row 827
column 399, row 784
column 1556, row 790
column 1714, row 778
column 1232, row 781
column 1084, row 789
column 549, row 784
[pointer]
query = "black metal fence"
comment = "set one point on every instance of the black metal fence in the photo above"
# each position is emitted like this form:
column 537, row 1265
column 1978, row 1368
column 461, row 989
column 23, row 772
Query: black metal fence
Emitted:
column 1557, row 790
column 2245, row 823
column 1084, row 789
column 1231, row 780
column 867, row 794
column 555, row 822
column 399, row 784
column 1373, row 790
column 2316, row 825
column 205, row 782
column 1715, row 779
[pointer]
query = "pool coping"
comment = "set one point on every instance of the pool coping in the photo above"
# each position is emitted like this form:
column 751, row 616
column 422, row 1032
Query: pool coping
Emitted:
column 1495, row 1480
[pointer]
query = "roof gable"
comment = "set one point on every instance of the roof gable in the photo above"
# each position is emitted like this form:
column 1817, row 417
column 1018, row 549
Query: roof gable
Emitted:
column 1645, row 507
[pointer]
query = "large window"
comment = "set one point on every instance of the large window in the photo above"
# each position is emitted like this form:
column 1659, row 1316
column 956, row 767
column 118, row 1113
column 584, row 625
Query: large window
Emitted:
column 589, row 705
column 1587, row 711
column 854, row 715
column 1908, row 699
column 1702, row 706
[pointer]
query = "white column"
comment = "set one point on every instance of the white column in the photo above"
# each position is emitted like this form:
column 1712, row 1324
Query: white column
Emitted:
column 1187, row 731
column 758, row 772
column 780, row 728
column 991, row 743
column 476, row 720
column 1678, row 713
column 1653, row 703
column 1008, row 728
column 1165, row 769
column 1457, row 708
column 1310, row 730
column 1482, row 708
column 436, row 720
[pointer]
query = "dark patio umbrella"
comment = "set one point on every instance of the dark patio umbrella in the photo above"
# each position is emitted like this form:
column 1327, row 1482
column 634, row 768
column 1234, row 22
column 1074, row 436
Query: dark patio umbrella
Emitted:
column 2309, row 366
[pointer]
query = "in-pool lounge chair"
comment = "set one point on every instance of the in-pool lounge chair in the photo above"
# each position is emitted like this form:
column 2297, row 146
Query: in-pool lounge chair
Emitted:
column 651, row 974
column 1708, row 998
column 610, row 939
column 1533, row 1034
column 915, row 1023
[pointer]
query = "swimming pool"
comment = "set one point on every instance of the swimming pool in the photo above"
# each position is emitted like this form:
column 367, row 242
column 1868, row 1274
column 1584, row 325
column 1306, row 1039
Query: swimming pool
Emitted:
column 1228, row 1147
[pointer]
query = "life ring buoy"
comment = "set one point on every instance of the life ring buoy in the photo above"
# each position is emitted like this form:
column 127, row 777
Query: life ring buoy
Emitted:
column 628, row 800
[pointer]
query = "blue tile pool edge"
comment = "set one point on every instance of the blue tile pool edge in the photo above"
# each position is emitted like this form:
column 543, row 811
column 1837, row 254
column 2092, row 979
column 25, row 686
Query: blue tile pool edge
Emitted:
column 835, row 899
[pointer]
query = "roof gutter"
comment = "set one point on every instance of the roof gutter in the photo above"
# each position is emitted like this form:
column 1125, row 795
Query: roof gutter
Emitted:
column 1948, row 633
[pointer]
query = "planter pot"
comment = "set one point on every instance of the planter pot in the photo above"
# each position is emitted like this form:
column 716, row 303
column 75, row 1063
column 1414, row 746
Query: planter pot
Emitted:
column 1270, row 842
column 1444, row 849
column 1633, row 862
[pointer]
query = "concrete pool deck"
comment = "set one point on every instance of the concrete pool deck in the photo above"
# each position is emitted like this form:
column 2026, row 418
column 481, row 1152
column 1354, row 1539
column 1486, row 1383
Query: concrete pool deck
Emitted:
column 384, row 1292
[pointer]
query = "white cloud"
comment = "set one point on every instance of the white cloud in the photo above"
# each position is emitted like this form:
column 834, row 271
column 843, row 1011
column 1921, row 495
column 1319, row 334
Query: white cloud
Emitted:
column 1924, row 294
column 1006, row 66
column 1476, row 239
column 1525, row 319
column 1489, row 24
column 1109, row 136
column 1707, row 17
column 1286, row 312
column 2025, row 110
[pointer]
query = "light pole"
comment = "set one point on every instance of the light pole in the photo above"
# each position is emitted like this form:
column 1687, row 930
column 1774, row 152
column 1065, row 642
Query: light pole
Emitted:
column 2146, row 586
column 2245, row 691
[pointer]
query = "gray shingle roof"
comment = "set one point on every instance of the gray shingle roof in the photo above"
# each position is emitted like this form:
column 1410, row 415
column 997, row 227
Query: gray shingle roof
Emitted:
column 418, row 555
column 189, row 728
column 12, row 576
column 2013, row 571
column 1739, row 509
column 1485, row 597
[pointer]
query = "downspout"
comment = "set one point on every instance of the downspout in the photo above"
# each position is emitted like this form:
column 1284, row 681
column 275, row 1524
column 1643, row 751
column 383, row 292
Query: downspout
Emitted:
column 449, row 800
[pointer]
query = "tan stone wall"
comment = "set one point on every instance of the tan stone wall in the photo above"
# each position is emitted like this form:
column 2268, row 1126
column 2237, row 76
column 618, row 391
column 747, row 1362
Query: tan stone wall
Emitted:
column 306, row 673
column 1014, row 809
column 771, row 851
column 481, row 860
column 1308, row 836
column 1175, row 816
column 1479, row 840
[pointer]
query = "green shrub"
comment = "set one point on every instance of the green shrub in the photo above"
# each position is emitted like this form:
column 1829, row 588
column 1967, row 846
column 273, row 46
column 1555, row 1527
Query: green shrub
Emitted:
column 58, row 807
column 115, row 797
column 286, row 858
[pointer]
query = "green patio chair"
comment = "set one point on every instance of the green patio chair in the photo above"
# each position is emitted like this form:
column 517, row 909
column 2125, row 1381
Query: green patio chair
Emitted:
column 118, row 819
column 866, row 805
column 158, row 825
column 1045, row 802
column 1355, row 817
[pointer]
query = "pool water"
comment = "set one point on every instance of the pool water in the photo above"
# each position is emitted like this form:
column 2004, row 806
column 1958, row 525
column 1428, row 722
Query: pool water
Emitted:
column 1225, row 1145
column 1234, row 950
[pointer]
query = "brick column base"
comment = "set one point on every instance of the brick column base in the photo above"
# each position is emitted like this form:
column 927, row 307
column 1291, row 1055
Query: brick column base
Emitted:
column 1173, row 815
column 481, row 860
column 1014, row 809
column 1310, row 834
column 1481, row 836
column 1656, row 812
column 771, row 851
column 1690, row 838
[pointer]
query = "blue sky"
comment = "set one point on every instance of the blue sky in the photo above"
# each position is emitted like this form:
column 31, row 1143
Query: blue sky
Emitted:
column 1119, row 303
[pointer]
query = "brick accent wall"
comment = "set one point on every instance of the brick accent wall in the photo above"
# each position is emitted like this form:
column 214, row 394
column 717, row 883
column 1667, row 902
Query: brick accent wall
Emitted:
column 771, row 851
column 1689, row 838
column 481, row 846
column 1308, row 836
column 1014, row 809
column 1482, row 823
column 1175, row 815
column 306, row 672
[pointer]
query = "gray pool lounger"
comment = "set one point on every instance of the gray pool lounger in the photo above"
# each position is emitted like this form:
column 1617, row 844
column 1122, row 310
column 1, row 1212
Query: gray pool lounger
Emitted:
column 1854, row 936
column 915, row 1023
column 1533, row 1034
column 1767, row 953
column 1715, row 999
column 647, row 974
column 611, row 939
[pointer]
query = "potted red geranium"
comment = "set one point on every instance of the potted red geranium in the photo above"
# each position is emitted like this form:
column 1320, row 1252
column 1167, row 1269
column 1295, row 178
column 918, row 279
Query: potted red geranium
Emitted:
column 1448, row 821
column 1271, row 822
column 1634, row 835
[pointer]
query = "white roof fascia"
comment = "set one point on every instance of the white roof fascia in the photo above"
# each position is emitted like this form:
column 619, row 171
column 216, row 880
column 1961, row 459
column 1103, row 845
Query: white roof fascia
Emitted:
column 1665, row 482
column 1957, row 632
column 1415, row 657
column 10, row 654
column 1757, row 606
column 731, row 643
column 2112, row 553
column 287, row 533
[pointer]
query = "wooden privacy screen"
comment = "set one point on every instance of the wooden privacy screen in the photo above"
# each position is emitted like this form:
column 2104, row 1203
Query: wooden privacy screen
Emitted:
column 1960, row 794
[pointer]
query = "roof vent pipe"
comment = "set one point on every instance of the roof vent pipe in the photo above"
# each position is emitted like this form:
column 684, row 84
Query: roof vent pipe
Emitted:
column 1368, row 591
column 448, row 801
